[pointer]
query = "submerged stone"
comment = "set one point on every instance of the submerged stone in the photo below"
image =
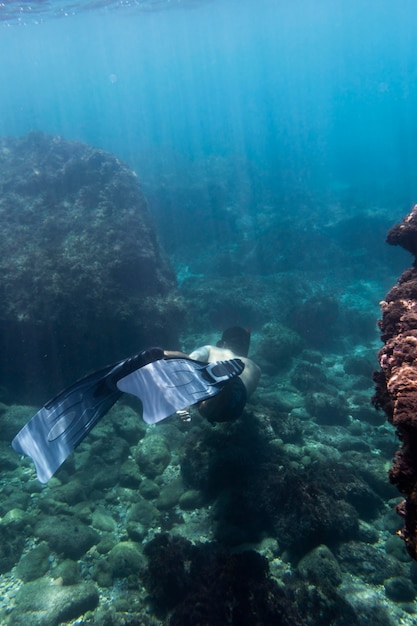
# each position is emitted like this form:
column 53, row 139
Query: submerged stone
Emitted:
column 44, row 603
column 143, row 512
column 66, row 536
column 67, row 572
column 400, row 589
column 152, row 456
column 321, row 567
column 170, row 495
column 84, row 281
column 191, row 499
column 125, row 558
column 34, row 564
column 149, row 489
column 11, row 546
column 103, row 521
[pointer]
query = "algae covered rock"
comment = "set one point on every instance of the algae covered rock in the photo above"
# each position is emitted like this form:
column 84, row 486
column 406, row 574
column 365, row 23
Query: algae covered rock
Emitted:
column 34, row 564
column 44, row 603
column 170, row 495
column 66, row 535
column 67, row 572
column 84, row 281
column 12, row 419
column 191, row 499
column 125, row 558
column 277, row 347
column 149, row 489
column 127, row 423
column 152, row 456
column 400, row 589
column 129, row 474
column 327, row 409
column 143, row 512
column 103, row 521
column 321, row 567
column 11, row 546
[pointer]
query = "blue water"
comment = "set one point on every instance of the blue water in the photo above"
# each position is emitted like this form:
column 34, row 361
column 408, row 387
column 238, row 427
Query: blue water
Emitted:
column 321, row 93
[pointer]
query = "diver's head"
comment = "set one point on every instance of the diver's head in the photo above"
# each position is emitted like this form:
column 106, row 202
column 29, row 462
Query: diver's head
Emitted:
column 236, row 339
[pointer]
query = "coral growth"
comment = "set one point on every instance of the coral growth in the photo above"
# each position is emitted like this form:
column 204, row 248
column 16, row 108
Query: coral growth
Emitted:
column 208, row 586
column 256, row 493
column 396, row 383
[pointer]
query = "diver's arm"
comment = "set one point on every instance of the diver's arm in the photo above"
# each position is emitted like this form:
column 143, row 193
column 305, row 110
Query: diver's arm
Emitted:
column 201, row 354
column 250, row 375
column 175, row 354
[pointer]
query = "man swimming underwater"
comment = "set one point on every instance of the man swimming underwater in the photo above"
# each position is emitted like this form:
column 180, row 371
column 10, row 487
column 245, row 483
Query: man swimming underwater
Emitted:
column 229, row 403
column 166, row 382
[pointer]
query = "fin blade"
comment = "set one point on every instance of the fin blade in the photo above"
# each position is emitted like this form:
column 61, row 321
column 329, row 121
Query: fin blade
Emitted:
column 169, row 385
column 59, row 427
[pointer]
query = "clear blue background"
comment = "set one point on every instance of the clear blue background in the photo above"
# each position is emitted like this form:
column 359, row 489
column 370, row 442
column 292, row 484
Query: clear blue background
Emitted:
column 321, row 91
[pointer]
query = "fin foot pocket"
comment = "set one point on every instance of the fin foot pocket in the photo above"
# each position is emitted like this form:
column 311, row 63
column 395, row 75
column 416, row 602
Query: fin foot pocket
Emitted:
column 221, row 371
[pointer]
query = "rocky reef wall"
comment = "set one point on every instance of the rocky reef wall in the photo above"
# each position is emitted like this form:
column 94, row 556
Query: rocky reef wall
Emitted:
column 83, row 279
column 396, row 382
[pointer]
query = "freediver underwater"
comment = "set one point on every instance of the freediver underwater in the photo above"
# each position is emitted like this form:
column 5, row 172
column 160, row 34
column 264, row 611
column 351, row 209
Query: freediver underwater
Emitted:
column 218, row 379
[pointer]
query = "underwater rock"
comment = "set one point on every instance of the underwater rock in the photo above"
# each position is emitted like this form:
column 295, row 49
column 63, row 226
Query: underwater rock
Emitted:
column 66, row 535
column 309, row 377
column 127, row 423
column 369, row 607
column 9, row 460
column 67, row 572
column 369, row 562
column 15, row 519
column 396, row 382
column 11, row 546
column 125, row 558
column 110, row 450
column 136, row 531
column 144, row 512
column 277, row 347
column 34, row 564
column 46, row 603
column 167, row 577
column 358, row 366
column 368, row 414
column 103, row 521
column 321, row 567
column 316, row 320
column 12, row 419
column 395, row 547
column 304, row 508
column 170, row 495
column 129, row 474
column 327, row 409
column 400, row 589
column 71, row 493
column 152, row 455
column 191, row 499
column 205, row 585
column 84, row 281
column 149, row 489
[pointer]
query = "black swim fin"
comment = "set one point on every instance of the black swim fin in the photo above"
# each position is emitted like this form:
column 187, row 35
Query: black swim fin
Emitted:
column 163, row 385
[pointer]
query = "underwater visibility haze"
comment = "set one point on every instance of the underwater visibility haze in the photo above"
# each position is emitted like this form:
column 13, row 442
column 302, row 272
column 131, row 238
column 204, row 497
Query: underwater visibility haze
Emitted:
column 171, row 169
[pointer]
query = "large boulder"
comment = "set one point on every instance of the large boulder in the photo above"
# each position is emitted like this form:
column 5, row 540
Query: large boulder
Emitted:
column 83, row 279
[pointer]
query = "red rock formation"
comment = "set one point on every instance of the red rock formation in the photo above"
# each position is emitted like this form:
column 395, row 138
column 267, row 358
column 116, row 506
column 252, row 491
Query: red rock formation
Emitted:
column 396, row 383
